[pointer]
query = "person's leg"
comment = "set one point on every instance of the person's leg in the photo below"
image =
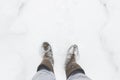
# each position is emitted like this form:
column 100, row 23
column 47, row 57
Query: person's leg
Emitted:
column 74, row 70
column 45, row 69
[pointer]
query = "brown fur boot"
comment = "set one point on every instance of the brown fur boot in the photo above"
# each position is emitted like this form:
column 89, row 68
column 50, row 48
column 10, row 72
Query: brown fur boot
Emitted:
column 70, row 64
column 47, row 61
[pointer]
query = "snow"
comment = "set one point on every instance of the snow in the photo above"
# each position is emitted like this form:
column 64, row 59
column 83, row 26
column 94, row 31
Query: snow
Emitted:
column 61, row 23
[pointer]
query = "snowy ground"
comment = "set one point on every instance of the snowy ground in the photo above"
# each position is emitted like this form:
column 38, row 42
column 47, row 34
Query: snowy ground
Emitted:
column 91, row 24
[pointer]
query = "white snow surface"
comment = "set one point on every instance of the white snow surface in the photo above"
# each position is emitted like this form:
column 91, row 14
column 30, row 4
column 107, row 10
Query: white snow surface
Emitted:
column 91, row 24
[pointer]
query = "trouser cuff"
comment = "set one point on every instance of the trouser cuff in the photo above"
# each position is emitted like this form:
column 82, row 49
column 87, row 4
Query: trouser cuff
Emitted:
column 41, row 67
column 77, row 71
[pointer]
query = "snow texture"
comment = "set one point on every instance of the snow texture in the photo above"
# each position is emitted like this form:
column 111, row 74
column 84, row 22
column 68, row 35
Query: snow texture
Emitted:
column 91, row 24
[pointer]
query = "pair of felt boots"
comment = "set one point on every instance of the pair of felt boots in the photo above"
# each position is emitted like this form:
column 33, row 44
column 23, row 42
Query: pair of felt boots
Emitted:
column 70, row 64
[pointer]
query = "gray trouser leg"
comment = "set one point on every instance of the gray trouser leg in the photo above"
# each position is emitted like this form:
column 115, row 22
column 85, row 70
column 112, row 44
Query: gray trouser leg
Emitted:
column 78, row 76
column 44, row 74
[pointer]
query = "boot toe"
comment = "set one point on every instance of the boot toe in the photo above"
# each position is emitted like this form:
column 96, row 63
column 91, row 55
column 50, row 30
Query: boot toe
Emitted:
column 46, row 46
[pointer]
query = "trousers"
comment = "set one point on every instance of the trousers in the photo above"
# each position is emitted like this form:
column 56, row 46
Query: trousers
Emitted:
column 45, row 74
